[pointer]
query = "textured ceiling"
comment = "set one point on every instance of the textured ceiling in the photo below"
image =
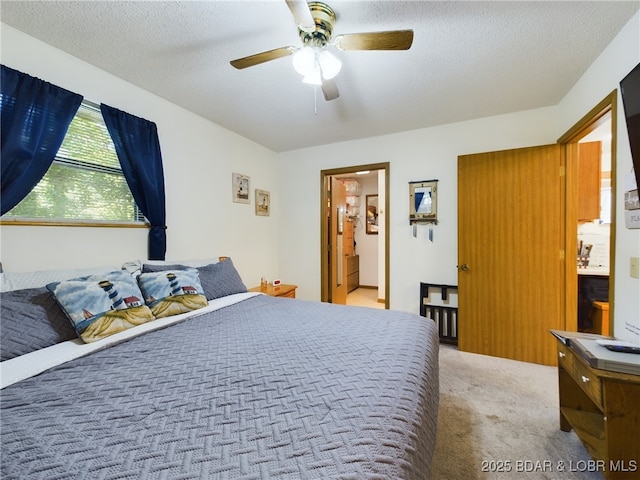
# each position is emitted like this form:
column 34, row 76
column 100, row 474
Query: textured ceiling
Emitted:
column 468, row 59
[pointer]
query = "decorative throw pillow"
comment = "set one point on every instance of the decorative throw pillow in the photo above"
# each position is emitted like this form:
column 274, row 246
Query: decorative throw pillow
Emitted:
column 218, row 279
column 30, row 319
column 171, row 292
column 103, row 304
column 221, row 279
column 134, row 267
column 154, row 268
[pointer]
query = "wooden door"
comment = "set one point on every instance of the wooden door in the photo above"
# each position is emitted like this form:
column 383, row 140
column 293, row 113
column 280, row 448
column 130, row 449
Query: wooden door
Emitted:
column 510, row 241
column 338, row 208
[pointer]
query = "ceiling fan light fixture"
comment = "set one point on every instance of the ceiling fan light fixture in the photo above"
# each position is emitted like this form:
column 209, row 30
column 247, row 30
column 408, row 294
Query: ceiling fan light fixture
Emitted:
column 313, row 78
column 312, row 60
column 329, row 64
column 314, row 64
column 304, row 60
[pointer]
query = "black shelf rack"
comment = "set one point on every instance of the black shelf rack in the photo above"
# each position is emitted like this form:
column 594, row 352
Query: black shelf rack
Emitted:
column 446, row 317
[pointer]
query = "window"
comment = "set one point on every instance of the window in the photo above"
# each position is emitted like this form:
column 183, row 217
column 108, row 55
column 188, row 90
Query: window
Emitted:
column 85, row 183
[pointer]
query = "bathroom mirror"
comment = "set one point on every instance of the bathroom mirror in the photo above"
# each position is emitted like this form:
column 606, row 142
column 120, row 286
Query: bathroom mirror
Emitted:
column 372, row 214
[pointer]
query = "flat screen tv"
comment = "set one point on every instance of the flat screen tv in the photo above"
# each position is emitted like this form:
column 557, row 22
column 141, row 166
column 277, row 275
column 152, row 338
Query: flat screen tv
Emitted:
column 630, row 91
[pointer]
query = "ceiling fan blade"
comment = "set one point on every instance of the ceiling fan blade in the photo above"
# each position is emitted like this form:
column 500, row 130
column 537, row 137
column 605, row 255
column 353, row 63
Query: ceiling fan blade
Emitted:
column 259, row 58
column 301, row 14
column 391, row 40
column 330, row 89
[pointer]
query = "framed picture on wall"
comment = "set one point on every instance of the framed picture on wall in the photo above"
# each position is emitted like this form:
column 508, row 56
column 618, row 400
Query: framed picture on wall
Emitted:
column 263, row 203
column 240, row 188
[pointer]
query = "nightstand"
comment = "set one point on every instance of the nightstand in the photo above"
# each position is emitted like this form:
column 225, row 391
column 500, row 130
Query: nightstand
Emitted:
column 282, row 290
column 603, row 408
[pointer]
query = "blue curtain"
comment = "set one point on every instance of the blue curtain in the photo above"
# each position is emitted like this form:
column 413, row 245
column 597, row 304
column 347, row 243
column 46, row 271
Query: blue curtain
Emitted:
column 35, row 117
column 138, row 149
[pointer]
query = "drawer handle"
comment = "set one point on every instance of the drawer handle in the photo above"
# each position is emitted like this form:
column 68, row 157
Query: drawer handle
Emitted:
column 585, row 379
column 562, row 354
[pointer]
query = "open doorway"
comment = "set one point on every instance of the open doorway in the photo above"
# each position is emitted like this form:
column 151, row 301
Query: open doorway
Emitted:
column 594, row 229
column 590, row 218
column 363, row 238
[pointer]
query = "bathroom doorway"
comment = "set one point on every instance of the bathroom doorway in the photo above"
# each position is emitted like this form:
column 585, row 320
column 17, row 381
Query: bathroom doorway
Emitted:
column 365, row 256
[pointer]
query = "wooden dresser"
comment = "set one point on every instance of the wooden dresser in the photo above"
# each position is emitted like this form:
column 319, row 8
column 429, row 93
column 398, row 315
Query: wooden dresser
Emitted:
column 348, row 243
column 603, row 408
column 353, row 272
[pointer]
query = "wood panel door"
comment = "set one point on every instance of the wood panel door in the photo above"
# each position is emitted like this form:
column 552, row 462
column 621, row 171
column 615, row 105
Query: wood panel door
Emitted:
column 510, row 253
column 338, row 206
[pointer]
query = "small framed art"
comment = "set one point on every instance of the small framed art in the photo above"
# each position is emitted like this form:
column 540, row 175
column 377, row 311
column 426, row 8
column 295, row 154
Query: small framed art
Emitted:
column 263, row 203
column 240, row 188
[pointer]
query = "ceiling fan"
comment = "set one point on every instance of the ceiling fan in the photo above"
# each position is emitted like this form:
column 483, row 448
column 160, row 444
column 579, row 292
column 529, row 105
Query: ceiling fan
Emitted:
column 318, row 65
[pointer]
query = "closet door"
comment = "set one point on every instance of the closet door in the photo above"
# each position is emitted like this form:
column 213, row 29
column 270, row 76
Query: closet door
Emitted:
column 510, row 253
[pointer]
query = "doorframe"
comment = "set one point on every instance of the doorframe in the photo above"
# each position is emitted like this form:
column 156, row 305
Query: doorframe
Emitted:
column 324, row 233
column 593, row 119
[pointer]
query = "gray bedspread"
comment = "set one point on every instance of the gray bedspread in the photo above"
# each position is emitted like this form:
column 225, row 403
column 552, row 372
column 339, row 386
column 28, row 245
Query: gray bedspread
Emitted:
column 266, row 388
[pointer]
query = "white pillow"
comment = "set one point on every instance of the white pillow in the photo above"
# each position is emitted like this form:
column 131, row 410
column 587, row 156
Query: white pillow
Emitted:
column 19, row 280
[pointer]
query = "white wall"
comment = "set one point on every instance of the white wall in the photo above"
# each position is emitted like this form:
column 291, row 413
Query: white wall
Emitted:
column 199, row 158
column 598, row 81
column 415, row 155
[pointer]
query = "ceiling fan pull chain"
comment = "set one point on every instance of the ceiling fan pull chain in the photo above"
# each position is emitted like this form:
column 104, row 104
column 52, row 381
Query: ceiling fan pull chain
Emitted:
column 315, row 100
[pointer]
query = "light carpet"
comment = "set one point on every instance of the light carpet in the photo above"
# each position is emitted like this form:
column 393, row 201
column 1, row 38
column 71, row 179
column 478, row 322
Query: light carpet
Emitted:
column 498, row 418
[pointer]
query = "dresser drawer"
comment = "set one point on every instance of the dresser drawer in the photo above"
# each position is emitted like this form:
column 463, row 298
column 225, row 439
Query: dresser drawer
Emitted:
column 291, row 294
column 589, row 382
column 566, row 358
column 353, row 264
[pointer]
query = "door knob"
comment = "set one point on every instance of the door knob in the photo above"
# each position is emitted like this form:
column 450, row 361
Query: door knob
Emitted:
column 464, row 267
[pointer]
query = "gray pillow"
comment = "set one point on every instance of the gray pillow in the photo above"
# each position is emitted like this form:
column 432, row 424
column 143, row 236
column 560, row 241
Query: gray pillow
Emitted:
column 31, row 319
column 217, row 279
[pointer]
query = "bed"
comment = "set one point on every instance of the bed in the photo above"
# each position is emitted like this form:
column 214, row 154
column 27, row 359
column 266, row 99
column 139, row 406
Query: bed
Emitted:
column 247, row 387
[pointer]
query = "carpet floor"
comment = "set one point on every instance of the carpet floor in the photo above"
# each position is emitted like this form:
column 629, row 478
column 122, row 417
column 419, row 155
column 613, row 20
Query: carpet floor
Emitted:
column 498, row 418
